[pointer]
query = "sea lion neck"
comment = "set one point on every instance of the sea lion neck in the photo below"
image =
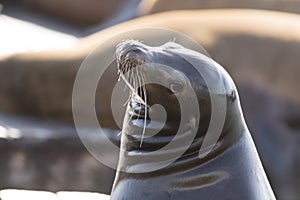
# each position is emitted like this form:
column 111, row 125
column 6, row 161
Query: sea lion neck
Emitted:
column 133, row 153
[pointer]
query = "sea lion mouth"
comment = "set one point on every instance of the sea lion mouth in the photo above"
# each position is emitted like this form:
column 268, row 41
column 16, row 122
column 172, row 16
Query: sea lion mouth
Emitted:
column 130, row 55
column 137, row 111
column 132, row 58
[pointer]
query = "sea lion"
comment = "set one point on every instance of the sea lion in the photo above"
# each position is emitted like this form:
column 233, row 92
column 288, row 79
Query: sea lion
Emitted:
column 80, row 12
column 147, row 170
column 154, row 6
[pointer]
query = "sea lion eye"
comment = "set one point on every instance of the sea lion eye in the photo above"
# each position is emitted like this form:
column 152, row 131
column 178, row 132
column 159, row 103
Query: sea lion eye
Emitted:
column 176, row 87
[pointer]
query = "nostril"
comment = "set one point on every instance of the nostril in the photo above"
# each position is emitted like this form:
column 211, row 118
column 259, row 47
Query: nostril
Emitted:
column 136, row 51
column 130, row 54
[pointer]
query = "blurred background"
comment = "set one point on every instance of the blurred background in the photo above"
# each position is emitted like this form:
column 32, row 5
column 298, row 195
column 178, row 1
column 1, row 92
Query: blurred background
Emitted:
column 42, row 43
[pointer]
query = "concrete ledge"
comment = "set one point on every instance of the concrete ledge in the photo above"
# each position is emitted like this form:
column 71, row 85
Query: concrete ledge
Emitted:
column 13, row 194
column 26, row 194
column 82, row 195
column 46, row 155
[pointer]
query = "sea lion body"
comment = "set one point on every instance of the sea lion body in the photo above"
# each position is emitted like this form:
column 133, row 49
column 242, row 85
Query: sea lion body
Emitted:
column 232, row 175
column 84, row 13
column 231, row 170
column 150, row 7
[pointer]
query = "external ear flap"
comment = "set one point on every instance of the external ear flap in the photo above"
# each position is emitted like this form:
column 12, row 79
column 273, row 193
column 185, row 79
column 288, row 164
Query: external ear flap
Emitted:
column 176, row 87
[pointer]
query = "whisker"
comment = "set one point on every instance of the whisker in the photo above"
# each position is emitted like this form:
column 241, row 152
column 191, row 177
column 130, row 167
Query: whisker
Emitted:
column 146, row 111
column 131, row 79
column 119, row 133
column 133, row 90
column 139, row 86
column 134, row 79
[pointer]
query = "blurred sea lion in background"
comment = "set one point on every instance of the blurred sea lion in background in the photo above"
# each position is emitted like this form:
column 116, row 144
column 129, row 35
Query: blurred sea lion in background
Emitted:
column 81, row 12
column 258, row 48
column 154, row 6
column 94, row 12
column 77, row 18
column 29, row 81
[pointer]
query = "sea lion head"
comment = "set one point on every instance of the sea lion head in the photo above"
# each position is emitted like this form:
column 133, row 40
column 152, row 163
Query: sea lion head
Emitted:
column 185, row 83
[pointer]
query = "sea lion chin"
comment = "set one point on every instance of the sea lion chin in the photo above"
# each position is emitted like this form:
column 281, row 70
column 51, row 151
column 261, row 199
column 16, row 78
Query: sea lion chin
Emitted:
column 166, row 75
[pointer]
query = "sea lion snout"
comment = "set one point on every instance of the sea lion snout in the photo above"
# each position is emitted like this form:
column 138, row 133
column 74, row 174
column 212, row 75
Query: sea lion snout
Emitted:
column 129, row 54
column 136, row 55
column 134, row 52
